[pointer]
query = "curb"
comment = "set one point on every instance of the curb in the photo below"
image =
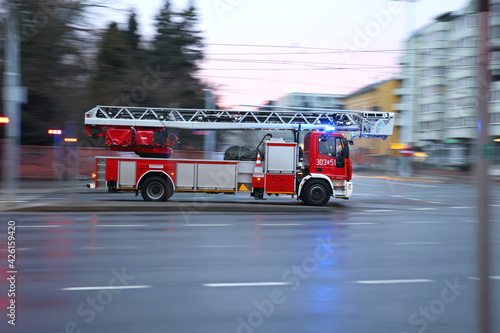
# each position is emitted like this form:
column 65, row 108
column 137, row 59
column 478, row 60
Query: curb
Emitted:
column 171, row 207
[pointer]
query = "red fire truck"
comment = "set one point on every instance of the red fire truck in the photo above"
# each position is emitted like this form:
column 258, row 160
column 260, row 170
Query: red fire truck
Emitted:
column 320, row 170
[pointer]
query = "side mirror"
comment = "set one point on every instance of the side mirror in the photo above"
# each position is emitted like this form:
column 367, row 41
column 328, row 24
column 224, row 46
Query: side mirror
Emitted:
column 346, row 151
column 345, row 142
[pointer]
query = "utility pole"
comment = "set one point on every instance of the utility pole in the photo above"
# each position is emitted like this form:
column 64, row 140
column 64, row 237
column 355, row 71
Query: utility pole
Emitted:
column 12, row 98
column 484, row 318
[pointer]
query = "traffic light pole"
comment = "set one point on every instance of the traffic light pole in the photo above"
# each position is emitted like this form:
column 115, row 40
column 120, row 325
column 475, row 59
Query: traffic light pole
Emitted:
column 12, row 98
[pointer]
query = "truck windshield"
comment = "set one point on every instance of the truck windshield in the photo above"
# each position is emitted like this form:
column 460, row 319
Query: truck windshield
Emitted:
column 326, row 146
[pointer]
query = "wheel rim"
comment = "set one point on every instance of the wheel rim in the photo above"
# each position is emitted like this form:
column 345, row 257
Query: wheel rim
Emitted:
column 155, row 190
column 317, row 192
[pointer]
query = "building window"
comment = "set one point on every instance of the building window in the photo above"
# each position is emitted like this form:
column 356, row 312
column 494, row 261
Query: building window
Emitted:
column 465, row 22
column 464, row 82
column 495, row 118
column 463, row 102
column 495, row 9
column 462, row 122
column 434, row 90
column 432, row 108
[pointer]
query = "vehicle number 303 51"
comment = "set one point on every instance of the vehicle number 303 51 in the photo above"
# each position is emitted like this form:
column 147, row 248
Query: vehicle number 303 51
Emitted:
column 324, row 161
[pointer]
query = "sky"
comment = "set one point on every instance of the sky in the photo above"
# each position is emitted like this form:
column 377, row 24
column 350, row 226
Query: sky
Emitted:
column 260, row 50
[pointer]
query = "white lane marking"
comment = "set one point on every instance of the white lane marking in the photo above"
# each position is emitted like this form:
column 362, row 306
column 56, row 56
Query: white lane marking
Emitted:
column 39, row 226
column 21, row 249
column 423, row 208
column 221, row 246
column 416, row 185
column 280, row 224
column 470, row 221
column 247, row 284
column 109, row 247
column 355, row 223
column 461, row 207
column 16, row 201
column 208, row 225
column 476, row 278
column 412, row 199
column 434, row 202
column 120, row 225
column 416, row 243
column 378, row 210
column 423, row 222
column 106, row 288
column 393, row 281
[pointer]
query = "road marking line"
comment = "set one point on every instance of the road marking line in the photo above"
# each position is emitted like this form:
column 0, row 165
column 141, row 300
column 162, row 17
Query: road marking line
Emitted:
column 434, row 202
column 208, row 225
column 221, row 246
column 393, row 281
column 491, row 277
column 120, row 225
column 17, row 201
column 470, row 221
column 396, row 178
column 423, row 222
column 21, row 249
column 247, row 284
column 355, row 223
column 106, row 288
column 109, row 247
column 280, row 224
column 39, row 226
column 423, row 208
column 461, row 207
column 416, row 243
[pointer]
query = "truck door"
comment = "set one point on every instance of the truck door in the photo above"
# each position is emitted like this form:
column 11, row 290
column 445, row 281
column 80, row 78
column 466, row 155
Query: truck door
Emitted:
column 329, row 157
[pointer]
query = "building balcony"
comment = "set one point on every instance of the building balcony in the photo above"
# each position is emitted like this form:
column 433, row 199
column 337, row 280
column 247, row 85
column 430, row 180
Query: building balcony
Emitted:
column 430, row 135
column 402, row 91
column 402, row 106
column 460, row 133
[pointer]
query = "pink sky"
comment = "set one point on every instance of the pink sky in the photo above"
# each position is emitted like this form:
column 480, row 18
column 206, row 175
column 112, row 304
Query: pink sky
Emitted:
column 314, row 37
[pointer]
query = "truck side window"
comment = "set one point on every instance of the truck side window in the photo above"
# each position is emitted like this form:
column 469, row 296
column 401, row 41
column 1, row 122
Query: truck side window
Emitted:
column 326, row 146
column 339, row 147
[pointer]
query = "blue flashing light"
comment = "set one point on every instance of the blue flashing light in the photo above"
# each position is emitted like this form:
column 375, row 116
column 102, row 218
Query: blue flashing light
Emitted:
column 329, row 129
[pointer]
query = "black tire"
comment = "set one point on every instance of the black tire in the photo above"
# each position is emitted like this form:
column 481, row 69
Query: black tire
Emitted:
column 316, row 192
column 156, row 189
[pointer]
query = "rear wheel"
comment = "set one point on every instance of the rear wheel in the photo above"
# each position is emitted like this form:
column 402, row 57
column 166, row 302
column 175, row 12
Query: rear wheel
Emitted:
column 156, row 189
column 316, row 192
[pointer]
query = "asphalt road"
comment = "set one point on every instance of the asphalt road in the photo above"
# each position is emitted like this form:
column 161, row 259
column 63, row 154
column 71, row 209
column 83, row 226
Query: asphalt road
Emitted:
column 397, row 257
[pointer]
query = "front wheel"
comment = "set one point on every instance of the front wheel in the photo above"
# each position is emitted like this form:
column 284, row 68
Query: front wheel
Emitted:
column 156, row 189
column 316, row 192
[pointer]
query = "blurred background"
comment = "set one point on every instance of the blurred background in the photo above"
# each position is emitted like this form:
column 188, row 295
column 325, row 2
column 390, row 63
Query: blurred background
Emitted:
column 412, row 58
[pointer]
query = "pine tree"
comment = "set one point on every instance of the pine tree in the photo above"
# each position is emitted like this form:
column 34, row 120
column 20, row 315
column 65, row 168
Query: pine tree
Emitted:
column 132, row 35
column 177, row 48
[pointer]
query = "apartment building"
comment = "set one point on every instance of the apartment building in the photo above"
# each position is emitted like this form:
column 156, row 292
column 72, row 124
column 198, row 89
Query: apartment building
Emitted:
column 438, row 108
